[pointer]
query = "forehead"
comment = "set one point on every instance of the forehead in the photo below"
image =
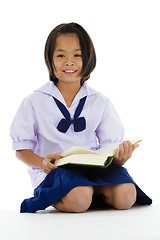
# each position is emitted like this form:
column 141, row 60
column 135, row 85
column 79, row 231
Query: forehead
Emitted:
column 68, row 41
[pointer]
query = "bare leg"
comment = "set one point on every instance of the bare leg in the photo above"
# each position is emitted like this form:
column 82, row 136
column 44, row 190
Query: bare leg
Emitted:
column 120, row 196
column 78, row 200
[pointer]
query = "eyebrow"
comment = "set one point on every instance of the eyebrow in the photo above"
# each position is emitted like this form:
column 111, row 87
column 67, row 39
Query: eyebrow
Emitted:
column 61, row 50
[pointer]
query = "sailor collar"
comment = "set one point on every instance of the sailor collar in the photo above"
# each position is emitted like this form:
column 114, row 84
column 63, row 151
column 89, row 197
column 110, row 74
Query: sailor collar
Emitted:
column 50, row 89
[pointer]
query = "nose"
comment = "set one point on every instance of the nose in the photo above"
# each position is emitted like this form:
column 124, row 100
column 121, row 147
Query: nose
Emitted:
column 69, row 62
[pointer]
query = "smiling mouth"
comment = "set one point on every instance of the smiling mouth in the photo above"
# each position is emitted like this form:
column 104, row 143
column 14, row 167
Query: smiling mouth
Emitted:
column 69, row 71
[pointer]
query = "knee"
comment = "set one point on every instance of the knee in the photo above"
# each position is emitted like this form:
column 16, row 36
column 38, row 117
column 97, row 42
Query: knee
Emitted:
column 80, row 199
column 125, row 196
column 80, row 205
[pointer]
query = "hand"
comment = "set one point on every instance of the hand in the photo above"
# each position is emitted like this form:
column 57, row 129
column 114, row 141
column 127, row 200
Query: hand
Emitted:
column 48, row 162
column 124, row 152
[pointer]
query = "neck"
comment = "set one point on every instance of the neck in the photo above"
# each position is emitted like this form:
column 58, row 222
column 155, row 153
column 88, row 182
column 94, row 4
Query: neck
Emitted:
column 68, row 91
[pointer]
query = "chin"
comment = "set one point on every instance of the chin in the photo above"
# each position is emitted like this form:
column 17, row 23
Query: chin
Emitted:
column 70, row 81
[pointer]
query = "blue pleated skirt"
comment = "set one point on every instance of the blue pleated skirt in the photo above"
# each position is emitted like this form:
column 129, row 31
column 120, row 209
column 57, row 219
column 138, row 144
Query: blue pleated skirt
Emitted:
column 62, row 180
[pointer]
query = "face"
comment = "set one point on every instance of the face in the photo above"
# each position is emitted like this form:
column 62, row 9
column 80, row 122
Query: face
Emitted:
column 67, row 59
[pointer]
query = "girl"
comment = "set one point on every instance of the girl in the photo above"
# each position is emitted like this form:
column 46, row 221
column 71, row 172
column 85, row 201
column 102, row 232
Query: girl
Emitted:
column 66, row 112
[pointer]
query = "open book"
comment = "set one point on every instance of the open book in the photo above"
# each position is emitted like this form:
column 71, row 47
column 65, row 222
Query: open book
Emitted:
column 82, row 156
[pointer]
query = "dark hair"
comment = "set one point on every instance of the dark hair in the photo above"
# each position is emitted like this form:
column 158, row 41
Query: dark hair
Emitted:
column 87, row 48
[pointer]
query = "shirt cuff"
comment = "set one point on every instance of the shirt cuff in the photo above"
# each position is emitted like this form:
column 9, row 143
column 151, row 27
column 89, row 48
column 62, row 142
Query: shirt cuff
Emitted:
column 23, row 145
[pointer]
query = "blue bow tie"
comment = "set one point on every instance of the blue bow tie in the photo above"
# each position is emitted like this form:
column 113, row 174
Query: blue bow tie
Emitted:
column 78, row 122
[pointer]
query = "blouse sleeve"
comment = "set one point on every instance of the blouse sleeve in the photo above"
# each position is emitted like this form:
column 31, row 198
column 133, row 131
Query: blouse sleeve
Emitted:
column 110, row 129
column 23, row 129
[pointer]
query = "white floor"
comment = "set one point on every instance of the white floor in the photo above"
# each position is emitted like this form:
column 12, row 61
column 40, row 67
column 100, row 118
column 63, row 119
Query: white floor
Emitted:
column 138, row 223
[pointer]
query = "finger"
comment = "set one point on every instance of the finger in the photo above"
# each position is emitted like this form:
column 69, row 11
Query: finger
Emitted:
column 128, row 147
column 121, row 150
column 135, row 146
column 132, row 147
column 47, row 164
column 116, row 153
column 58, row 156
column 125, row 147
column 48, row 169
column 50, row 166
column 53, row 155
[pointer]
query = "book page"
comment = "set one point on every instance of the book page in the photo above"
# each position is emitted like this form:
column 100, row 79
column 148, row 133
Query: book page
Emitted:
column 78, row 150
column 110, row 149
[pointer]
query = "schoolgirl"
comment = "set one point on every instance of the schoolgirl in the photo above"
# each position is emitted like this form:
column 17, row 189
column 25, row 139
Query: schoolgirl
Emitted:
column 66, row 112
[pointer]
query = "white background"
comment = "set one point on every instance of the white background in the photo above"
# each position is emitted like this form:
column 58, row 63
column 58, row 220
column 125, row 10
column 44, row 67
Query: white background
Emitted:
column 126, row 36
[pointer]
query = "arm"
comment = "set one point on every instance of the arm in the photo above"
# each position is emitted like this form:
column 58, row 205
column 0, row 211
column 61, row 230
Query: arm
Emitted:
column 31, row 159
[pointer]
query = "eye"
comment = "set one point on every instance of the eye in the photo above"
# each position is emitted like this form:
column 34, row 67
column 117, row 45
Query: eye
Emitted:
column 60, row 55
column 78, row 55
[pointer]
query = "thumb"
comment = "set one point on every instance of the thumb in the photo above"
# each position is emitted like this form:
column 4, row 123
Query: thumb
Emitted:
column 58, row 155
column 53, row 155
column 135, row 146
